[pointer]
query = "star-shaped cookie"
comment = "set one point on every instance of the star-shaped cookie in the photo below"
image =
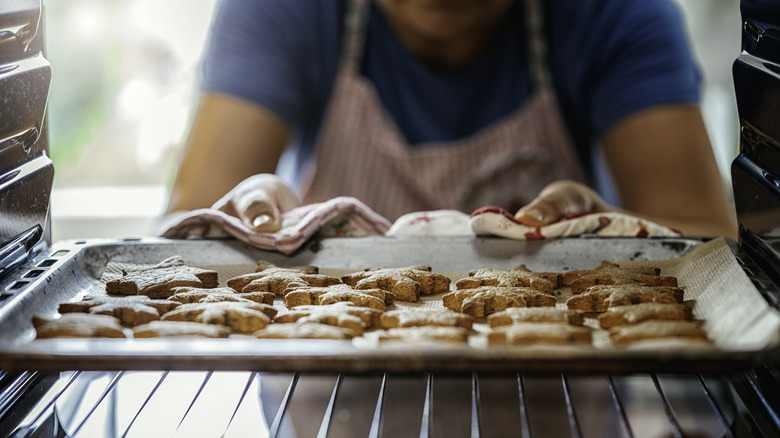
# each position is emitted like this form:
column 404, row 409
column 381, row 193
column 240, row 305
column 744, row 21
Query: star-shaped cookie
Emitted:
column 342, row 314
column 373, row 298
column 602, row 297
column 485, row 300
column 240, row 317
column 218, row 294
column 406, row 284
column 515, row 277
column 156, row 281
column 277, row 280
column 612, row 273
column 131, row 310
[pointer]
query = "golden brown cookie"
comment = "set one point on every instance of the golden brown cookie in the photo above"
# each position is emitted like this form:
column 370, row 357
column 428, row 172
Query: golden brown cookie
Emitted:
column 612, row 273
column 601, row 298
column 240, row 317
column 539, row 332
column 420, row 317
column 166, row 329
column 131, row 310
column 373, row 298
column 515, row 277
column 308, row 330
column 157, row 281
column 218, row 294
column 632, row 314
column 656, row 329
column 406, row 284
column 515, row 315
column 78, row 325
column 277, row 280
column 425, row 334
column 342, row 314
column 485, row 300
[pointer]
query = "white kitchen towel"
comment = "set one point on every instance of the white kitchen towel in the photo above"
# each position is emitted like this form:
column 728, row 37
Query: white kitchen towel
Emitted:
column 338, row 217
column 499, row 222
column 432, row 223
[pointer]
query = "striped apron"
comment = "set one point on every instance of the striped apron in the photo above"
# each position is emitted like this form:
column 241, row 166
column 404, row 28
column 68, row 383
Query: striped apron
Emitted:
column 361, row 153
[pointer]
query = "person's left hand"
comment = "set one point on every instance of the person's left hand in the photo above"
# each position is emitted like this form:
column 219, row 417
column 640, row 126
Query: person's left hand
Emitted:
column 558, row 200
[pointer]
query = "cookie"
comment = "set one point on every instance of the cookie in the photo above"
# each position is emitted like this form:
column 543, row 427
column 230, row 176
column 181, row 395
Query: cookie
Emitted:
column 424, row 334
column 515, row 277
column 656, row 329
column 485, row 300
column 406, row 284
column 342, row 314
column 240, row 317
column 219, row 294
column 516, row 315
column 624, row 315
column 373, row 298
column 613, row 274
column 166, row 329
column 277, row 280
column 420, row 317
column 157, row 281
column 539, row 332
column 601, row 298
column 131, row 311
column 78, row 325
column 308, row 330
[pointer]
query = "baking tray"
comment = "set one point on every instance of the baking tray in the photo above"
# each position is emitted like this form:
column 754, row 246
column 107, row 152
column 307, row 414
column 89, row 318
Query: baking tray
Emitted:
column 70, row 268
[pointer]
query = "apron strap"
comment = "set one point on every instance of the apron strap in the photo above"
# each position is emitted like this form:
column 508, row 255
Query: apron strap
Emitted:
column 353, row 39
column 537, row 45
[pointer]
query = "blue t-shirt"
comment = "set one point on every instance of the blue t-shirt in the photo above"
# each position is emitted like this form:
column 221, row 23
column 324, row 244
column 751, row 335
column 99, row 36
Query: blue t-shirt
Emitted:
column 608, row 59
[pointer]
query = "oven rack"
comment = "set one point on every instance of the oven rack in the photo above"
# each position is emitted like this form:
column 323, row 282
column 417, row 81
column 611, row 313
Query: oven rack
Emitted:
column 240, row 404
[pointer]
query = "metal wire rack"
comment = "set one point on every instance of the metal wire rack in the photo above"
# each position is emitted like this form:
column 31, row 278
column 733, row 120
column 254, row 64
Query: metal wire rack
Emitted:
column 242, row 404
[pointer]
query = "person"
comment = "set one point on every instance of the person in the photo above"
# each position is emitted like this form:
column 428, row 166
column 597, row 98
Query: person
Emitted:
column 546, row 108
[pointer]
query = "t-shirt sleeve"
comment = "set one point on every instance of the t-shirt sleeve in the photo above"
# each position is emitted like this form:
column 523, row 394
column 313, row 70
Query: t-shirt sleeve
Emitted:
column 639, row 58
column 259, row 52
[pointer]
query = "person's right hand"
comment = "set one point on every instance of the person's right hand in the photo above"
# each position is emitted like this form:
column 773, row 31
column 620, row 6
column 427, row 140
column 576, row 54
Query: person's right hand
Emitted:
column 558, row 200
column 259, row 202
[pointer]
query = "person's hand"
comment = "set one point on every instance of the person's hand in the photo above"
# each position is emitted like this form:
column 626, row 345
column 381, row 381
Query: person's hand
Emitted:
column 558, row 200
column 259, row 202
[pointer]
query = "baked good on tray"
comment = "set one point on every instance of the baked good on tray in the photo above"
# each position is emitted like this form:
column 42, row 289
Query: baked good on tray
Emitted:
column 406, row 284
column 342, row 314
column 524, row 333
column 636, row 313
column 78, row 325
column 612, row 273
column 657, row 329
column 306, row 330
column 157, row 281
column 218, row 294
column 514, row 315
column 515, row 277
column 423, row 316
column 600, row 298
column 275, row 279
column 373, row 298
column 175, row 329
column 425, row 334
column 240, row 317
column 485, row 300
column 131, row 310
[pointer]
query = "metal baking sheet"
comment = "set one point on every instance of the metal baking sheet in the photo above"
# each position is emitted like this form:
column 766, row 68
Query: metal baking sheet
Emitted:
column 70, row 268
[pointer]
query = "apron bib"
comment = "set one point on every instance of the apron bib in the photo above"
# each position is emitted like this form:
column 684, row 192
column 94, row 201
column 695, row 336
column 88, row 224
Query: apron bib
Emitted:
column 361, row 153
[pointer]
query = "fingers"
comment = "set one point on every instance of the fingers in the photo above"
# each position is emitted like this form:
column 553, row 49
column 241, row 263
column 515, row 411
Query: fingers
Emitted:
column 558, row 200
column 259, row 202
